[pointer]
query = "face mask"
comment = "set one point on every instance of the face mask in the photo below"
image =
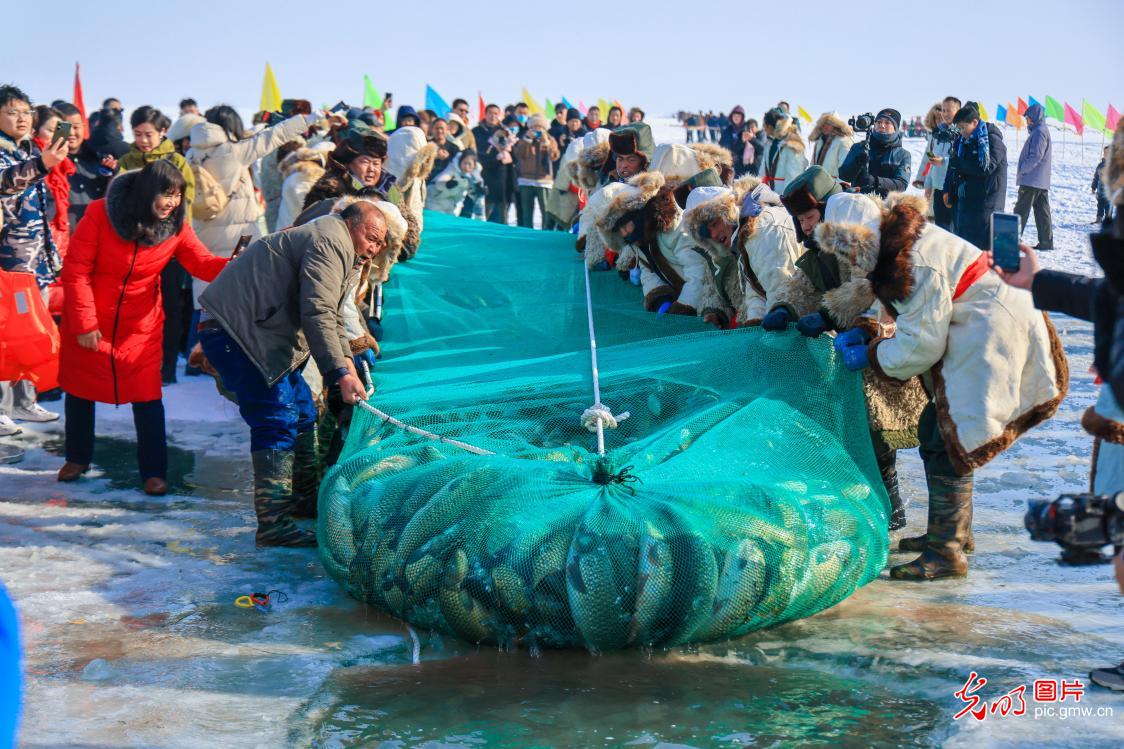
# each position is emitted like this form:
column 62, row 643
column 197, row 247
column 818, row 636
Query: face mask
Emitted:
column 522, row 119
column 513, row 130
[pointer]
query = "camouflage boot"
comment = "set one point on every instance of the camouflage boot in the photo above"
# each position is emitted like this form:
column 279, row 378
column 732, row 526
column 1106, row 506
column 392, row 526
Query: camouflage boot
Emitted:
column 917, row 543
column 306, row 475
column 888, row 466
column 273, row 501
column 950, row 525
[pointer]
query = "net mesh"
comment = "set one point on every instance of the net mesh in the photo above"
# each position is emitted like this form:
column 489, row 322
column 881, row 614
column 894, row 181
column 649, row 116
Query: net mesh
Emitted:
column 740, row 492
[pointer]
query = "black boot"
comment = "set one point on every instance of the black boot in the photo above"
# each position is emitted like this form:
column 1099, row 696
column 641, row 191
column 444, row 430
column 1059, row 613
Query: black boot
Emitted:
column 888, row 466
column 950, row 523
column 273, row 500
column 306, row 475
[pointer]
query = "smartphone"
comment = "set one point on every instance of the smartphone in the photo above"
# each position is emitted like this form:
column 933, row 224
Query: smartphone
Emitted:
column 1005, row 241
column 62, row 132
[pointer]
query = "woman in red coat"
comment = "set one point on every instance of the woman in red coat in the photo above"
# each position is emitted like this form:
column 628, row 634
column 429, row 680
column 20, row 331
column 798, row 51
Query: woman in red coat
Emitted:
column 112, row 324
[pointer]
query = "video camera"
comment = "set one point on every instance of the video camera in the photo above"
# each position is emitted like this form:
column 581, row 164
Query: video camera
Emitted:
column 862, row 122
column 945, row 134
column 1080, row 523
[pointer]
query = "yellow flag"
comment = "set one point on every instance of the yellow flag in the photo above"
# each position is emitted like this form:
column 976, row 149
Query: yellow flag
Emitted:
column 604, row 106
column 270, row 93
column 529, row 100
column 803, row 114
column 983, row 113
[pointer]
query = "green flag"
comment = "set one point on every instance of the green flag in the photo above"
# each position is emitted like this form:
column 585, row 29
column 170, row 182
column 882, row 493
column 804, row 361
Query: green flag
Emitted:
column 1092, row 117
column 549, row 108
column 371, row 96
column 1054, row 109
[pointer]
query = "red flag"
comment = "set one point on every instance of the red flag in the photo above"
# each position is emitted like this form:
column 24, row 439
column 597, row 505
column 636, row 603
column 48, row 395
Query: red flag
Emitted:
column 483, row 106
column 78, row 102
column 1112, row 118
column 1022, row 107
column 1072, row 118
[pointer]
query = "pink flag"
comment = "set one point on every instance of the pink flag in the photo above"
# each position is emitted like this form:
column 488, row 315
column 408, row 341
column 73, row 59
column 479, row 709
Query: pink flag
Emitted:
column 581, row 107
column 1073, row 118
column 1112, row 118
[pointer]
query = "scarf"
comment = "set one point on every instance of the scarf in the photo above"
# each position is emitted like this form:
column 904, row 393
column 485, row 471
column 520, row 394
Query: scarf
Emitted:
column 983, row 145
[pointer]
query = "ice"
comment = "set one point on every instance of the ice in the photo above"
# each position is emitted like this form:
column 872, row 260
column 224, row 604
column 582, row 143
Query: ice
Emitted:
column 132, row 638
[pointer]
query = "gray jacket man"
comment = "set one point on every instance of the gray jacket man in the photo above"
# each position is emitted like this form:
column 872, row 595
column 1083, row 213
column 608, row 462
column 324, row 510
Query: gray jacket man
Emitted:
column 274, row 305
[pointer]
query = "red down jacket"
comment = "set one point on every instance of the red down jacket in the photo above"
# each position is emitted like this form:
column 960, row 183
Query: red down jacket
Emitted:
column 113, row 285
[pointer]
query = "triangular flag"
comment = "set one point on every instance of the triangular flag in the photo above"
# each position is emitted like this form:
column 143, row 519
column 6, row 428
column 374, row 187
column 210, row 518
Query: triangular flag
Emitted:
column 434, row 101
column 529, row 100
column 1022, row 106
column 617, row 103
column 983, row 112
column 371, row 96
column 803, row 113
column 549, row 108
column 270, row 93
column 1111, row 119
column 80, row 103
column 1073, row 118
column 1054, row 109
column 1032, row 101
column 567, row 103
column 582, row 107
column 389, row 120
column 1000, row 113
column 1093, row 117
column 483, row 106
column 604, row 107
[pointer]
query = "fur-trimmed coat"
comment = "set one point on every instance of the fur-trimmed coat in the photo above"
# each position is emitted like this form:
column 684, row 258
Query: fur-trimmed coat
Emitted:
column 829, row 151
column 410, row 159
column 300, row 170
column 672, row 267
column 993, row 364
column 766, row 248
column 784, row 159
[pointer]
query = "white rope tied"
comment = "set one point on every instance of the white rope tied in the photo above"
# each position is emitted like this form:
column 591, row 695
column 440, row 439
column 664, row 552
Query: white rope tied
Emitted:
column 599, row 414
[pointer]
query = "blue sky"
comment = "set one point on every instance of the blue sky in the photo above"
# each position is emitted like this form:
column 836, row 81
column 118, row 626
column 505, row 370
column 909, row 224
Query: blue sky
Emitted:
column 660, row 55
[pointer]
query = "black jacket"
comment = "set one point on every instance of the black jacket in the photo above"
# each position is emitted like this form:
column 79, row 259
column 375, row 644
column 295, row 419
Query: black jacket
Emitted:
column 1099, row 300
column 983, row 187
column 885, row 169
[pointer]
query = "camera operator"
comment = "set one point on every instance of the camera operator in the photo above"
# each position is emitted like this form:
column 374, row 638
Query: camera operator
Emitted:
column 878, row 164
column 1100, row 301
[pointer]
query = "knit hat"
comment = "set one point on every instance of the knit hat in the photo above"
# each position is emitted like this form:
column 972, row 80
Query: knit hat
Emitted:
column 573, row 114
column 810, row 191
column 893, row 115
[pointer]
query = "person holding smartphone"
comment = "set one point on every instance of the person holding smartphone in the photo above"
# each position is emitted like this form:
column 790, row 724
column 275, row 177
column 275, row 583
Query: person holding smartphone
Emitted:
column 50, row 128
column 955, row 321
column 934, row 167
column 535, row 154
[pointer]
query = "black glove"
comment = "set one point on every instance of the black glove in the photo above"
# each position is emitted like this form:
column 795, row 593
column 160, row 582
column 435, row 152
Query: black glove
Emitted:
column 451, row 183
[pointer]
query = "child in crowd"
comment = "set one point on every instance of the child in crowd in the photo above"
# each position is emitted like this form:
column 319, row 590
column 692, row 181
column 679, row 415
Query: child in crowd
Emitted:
column 461, row 186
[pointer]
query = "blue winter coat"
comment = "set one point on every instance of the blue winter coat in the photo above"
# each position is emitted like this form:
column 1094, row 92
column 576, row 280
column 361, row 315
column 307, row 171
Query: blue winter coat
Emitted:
column 1037, row 154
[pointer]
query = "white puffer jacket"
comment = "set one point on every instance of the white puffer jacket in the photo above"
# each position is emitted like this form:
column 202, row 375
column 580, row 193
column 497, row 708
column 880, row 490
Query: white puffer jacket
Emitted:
column 229, row 163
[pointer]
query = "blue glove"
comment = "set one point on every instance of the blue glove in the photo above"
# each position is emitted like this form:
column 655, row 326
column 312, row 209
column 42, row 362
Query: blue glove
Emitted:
column 602, row 265
column 855, row 357
column 375, row 328
column 634, row 276
column 367, row 356
column 811, row 326
column 664, row 308
column 778, row 319
column 852, row 337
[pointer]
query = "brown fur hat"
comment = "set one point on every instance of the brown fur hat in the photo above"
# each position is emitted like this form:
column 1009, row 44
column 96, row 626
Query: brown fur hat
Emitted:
column 1114, row 167
column 846, row 233
column 833, row 119
column 635, row 196
column 590, row 165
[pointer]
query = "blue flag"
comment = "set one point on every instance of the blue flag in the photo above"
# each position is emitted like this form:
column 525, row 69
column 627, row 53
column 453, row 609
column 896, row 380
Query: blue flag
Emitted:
column 1031, row 101
column 1000, row 113
column 434, row 101
column 567, row 103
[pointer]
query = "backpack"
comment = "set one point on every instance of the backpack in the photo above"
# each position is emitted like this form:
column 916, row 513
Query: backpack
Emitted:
column 210, row 197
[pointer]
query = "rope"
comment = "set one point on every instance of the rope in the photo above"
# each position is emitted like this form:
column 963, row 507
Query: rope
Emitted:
column 598, row 416
column 421, row 432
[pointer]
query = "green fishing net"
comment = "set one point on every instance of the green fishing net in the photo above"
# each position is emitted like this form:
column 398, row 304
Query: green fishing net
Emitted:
column 741, row 490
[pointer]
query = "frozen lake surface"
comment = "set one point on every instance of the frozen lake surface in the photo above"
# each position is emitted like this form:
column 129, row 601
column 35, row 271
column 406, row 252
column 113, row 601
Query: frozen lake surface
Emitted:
column 132, row 637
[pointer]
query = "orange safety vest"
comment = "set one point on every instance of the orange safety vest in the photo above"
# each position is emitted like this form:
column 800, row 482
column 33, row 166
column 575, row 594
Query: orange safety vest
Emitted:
column 29, row 339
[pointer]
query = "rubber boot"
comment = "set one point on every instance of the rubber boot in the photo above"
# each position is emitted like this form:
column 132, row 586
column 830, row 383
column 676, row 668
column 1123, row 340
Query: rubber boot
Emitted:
column 950, row 523
column 273, row 501
column 917, row 543
column 306, row 475
column 888, row 466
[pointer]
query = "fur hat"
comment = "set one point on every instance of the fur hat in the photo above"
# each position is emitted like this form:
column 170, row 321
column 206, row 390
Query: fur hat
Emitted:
column 851, row 231
column 181, row 128
column 708, row 204
column 625, row 198
column 409, row 156
column 633, row 139
column 1113, row 175
column 538, row 121
column 834, row 120
column 675, row 161
column 705, row 178
column 359, row 140
column 810, row 191
column 594, row 154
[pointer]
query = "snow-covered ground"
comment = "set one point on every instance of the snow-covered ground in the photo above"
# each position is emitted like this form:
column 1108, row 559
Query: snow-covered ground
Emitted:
column 132, row 637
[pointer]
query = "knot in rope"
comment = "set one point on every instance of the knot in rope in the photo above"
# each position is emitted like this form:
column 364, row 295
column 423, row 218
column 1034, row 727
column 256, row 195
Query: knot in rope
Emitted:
column 604, row 475
column 600, row 413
